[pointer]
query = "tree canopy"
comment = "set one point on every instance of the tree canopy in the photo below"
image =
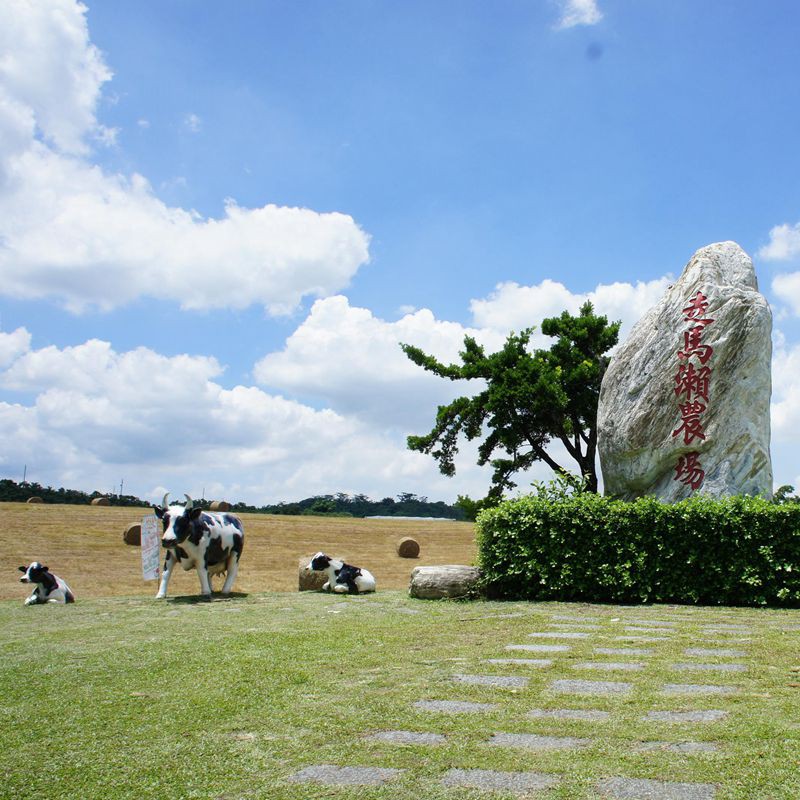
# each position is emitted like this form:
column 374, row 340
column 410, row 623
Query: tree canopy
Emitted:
column 531, row 397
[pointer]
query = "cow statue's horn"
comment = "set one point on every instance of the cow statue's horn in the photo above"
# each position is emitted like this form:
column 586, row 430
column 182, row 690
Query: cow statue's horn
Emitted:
column 189, row 503
column 164, row 501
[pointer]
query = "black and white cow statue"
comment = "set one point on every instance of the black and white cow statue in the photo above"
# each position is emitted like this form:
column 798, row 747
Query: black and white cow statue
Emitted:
column 206, row 541
column 342, row 578
column 48, row 588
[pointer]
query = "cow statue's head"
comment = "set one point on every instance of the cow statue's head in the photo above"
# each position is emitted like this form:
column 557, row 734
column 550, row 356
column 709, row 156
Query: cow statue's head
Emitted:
column 35, row 573
column 177, row 521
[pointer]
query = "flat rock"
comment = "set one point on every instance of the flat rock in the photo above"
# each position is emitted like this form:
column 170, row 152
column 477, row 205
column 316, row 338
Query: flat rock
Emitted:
column 531, row 741
column 539, row 648
column 490, row 780
column 444, row 581
column 690, row 666
column 407, row 737
column 610, row 666
column 641, row 629
column 454, row 706
column 585, row 714
column 559, row 635
column 679, row 747
column 500, row 681
column 345, row 776
column 683, row 717
column 640, row 789
column 705, row 652
column 652, row 623
column 573, row 618
column 631, row 637
column 590, row 687
column 639, row 413
column 570, row 625
column 696, row 688
column 522, row 662
column 623, row 651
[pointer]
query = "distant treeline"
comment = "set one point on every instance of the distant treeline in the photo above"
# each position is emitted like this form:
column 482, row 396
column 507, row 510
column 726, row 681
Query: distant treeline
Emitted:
column 13, row 492
column 343, row 505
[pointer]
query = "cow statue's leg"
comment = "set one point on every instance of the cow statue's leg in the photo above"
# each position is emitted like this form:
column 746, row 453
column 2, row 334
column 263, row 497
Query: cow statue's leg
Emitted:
column 232, row 567
column 34, row 598
column 169, row 563
column 205, row 585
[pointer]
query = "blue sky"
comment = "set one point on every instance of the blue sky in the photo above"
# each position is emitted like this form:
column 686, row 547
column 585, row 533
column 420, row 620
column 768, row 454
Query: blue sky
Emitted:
column 218, row 220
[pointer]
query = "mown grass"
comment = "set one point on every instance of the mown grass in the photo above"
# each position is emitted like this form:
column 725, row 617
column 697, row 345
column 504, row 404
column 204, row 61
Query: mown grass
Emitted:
column 131, row 698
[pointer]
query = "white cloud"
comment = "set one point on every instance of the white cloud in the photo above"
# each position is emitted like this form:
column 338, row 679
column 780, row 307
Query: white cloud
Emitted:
column 787, row 288
column 109, row 239
column 192, row 123
column 13, row 345
column 99, row 416
column 784, row 243
column 578, row 12
column 514, row 307
column 352, row 360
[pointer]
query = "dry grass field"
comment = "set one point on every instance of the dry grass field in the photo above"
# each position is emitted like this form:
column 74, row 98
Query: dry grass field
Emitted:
column 83, row 544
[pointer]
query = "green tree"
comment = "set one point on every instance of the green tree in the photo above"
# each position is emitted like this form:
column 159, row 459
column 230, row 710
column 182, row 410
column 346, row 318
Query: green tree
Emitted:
column 530, row 398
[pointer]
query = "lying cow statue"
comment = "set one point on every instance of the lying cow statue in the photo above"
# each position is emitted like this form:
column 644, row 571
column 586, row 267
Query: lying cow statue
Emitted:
column 206, row 541
column 342, row 578
column 48, row 588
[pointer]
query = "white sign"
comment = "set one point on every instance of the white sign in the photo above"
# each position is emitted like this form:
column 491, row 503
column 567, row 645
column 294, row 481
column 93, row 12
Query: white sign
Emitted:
column 151, row 548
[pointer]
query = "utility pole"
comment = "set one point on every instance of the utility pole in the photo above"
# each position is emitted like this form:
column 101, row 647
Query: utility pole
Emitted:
column 121, row 483
column 24, row 472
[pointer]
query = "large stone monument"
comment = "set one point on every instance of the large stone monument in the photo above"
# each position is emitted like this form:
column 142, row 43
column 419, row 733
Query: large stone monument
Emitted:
column 684, row 405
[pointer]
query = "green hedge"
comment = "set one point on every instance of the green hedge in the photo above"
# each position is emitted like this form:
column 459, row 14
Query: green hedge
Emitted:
column 734, row 551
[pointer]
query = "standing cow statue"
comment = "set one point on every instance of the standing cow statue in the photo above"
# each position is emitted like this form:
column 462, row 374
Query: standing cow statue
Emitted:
column 206, row 541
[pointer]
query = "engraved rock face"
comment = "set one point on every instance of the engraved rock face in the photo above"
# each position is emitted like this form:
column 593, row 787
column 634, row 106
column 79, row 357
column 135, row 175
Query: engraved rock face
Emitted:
column 684, row 404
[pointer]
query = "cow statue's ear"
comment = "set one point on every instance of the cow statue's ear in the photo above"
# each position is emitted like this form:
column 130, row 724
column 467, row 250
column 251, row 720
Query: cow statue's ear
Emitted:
column 195, row 513
column 44, row 568
column 159, row 511
column 22, row 569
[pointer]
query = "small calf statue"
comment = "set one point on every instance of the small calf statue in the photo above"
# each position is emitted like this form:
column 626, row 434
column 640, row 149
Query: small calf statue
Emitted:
column 206, row 541
column 342, row 578
column 48, row 588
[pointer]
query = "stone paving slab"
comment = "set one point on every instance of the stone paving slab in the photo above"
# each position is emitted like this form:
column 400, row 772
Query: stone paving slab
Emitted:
column 634, row 638
column 454, row 706
column 721, row 626
column 345, row 776
column 729, row 667
column 407, row 737
column 523, row 662
column 573, row 618
column 489, row 780
column 584, row 714
column 532, row 741
column 652, row 623
column 679, row 747
column 570, row 625
column 500, row 681
column 648, row 629
column 539, row 648
column 681, row 717
column 640, row 789
column 610, row 666
column 559, row 635
column 714, row 651
column 623, row 651
column 696, row 688
column 590, row 687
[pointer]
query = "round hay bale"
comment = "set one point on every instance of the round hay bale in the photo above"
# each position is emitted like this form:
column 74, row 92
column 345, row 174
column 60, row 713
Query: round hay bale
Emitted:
column 101, row 501
column 220, row 505
column 34, row 500
column 408, row 548
column 132, row 535
column 446, row 580
column 308, row 579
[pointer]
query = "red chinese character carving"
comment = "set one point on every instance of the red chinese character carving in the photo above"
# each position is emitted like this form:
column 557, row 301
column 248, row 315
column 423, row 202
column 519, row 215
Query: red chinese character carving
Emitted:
column 698, row 306
column 692, row 382
column 693, row 347
column 691, row 424
column 689, row 471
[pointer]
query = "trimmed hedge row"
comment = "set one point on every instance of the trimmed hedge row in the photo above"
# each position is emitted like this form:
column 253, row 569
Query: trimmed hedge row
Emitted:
column 733, row 551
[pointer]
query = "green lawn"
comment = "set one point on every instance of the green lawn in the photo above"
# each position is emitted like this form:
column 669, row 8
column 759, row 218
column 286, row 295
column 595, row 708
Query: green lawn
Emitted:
column 130, row 698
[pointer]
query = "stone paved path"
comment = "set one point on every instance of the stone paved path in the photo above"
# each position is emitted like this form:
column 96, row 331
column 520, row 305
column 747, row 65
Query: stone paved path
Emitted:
column 628, row 633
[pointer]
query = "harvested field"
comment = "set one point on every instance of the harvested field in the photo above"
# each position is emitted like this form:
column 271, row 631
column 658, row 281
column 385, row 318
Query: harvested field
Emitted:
column 83, row 544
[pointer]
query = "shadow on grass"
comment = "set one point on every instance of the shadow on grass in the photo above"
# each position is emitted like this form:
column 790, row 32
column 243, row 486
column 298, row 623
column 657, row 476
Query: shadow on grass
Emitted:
column 216, row 597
